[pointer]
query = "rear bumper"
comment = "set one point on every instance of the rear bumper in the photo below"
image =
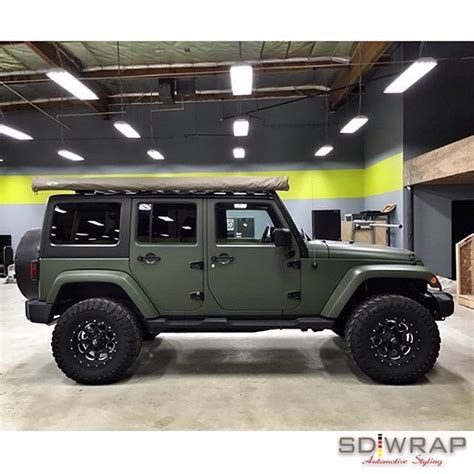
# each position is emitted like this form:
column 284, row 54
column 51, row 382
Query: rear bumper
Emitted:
column 38, row 311
column 443, row 304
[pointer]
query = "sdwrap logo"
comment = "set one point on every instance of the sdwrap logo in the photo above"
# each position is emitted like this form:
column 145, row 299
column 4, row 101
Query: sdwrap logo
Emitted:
column 402, row 450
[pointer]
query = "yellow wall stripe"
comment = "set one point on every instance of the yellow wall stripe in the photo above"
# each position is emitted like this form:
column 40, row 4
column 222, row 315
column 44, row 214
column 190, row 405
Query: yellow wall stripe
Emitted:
column 381, row 177
column 384, row 176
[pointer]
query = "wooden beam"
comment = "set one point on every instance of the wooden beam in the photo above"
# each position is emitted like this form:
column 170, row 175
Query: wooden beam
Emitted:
column 364, row 56
column 171, row 72
column 56, row 57
column 174, row 72
column 146, row 98
column 448, row 164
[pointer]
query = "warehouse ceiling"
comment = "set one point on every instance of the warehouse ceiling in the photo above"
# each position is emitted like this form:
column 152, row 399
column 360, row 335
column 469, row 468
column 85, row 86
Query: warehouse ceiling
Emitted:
column 167, row 72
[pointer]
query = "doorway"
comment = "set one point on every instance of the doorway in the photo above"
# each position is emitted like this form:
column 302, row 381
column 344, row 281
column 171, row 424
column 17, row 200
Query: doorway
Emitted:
column 462, row 225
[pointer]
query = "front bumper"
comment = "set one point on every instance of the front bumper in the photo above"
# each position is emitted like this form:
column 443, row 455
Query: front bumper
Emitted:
column 442, row 304
column 39, row 311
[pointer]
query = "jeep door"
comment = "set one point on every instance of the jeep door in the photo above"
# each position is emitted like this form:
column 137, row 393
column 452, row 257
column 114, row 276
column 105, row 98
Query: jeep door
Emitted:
column 246, row 271
column 166, row 253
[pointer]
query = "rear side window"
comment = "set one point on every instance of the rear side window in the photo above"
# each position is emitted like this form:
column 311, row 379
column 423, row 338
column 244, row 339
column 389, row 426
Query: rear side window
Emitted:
column 166, row 223
column 85, row 224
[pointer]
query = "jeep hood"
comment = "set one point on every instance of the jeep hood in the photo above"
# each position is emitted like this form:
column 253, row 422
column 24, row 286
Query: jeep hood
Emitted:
column 346, row 250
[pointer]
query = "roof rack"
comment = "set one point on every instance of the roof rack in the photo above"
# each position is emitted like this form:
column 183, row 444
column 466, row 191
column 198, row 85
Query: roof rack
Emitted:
column 233, row 184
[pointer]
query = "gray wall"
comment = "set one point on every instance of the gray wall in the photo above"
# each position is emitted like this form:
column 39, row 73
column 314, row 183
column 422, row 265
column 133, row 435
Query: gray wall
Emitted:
column 281, row 137
column 433, row 241
column 15, row 220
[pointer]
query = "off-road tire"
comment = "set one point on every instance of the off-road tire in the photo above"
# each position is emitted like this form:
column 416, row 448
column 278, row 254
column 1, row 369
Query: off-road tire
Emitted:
column 369, row 316
column 127, row 341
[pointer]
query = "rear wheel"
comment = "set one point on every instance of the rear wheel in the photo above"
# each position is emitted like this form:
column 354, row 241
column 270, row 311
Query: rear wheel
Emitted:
column 96, row 340
column 392, row 339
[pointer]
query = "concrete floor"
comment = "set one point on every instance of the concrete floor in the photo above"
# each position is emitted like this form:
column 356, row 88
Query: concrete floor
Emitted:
column 275, row 380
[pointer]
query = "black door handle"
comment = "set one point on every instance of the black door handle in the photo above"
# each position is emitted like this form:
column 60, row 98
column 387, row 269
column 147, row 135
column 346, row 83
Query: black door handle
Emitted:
column 222, row 258
column 149, row 258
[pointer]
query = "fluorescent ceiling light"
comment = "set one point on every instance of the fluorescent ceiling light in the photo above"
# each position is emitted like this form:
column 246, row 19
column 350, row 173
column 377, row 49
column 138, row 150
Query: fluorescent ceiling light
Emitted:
column 354, row 124
column 155, row 154
column 1, row 160
column 240, row 205
column 71, row 84
column 186, row 227
column 69, row 155
column 239, row 152
column 241, row 128
column 324, row 150
column 165, row 218
column 61, row 211
column 11, row 132
column 82, row 234
column 412, row 74
column 164, row 235
column 241, row 77
column 97, row 223
column 126, row 129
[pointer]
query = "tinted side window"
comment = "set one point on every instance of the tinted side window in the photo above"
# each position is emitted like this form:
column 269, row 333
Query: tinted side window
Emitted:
column 84, row 223
column 166, row 223
column 240, row 223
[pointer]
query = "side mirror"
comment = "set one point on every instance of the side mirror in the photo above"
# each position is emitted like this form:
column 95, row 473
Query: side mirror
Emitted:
column 282, row 237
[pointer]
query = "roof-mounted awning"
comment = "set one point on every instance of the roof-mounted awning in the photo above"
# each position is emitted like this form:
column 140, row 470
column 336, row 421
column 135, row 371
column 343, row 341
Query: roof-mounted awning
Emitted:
column 143, row 185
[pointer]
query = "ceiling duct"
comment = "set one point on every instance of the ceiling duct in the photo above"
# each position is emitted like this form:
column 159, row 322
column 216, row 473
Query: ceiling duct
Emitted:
column 186, row 87
column 166, row 90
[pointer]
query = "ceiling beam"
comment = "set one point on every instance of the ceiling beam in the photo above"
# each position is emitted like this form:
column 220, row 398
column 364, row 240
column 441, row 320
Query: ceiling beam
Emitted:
column 147, row 98
column 176, row 71
column 171, row 72
column 56, row 57
column 364, row 56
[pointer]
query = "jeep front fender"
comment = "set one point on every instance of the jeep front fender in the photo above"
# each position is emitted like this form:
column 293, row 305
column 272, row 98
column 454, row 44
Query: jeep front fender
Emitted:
column 357, row 275
column 121, row 279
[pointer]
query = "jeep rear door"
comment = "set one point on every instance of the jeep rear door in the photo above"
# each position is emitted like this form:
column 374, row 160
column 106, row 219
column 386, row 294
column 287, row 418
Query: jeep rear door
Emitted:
column 246, row 271
column 166, row 251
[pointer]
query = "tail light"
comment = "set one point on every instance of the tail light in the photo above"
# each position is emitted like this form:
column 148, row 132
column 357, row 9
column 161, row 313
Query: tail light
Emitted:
column 34, row 267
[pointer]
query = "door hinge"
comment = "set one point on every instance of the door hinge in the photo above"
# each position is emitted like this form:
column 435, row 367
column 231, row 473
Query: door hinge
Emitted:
column 197, row 265
column 294, row 295
column 293, row 264
column 197, row 295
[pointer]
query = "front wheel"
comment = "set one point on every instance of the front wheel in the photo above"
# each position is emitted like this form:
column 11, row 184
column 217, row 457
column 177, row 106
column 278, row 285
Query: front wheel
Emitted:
column 392, row 339
column 96, row 340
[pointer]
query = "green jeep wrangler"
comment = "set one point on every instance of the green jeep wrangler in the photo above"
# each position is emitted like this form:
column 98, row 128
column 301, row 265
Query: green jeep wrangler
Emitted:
column 122, row 260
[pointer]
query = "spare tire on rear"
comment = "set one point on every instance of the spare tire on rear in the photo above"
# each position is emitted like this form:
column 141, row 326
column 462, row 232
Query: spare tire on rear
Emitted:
column 27, row 250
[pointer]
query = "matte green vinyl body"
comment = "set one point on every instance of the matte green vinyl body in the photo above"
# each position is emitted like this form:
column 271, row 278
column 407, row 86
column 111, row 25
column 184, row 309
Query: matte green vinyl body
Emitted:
column 311, row 278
